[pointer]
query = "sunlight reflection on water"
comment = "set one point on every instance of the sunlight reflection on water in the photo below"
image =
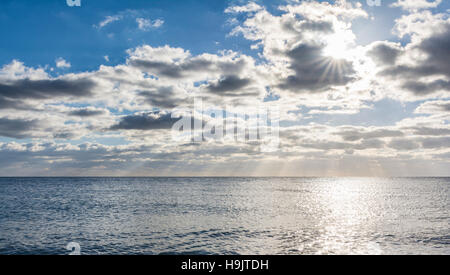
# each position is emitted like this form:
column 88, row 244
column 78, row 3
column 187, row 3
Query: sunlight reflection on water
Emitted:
column 225, row 215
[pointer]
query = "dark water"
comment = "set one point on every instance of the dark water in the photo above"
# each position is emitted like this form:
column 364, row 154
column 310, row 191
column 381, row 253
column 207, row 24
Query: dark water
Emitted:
column 225, row 215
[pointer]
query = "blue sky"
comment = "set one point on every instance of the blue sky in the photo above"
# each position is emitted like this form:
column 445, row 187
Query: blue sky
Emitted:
column 38, row 32
column 45, row 30
column 368, row 83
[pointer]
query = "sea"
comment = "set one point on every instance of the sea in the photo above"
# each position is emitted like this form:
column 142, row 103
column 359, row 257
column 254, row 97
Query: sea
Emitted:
column 231, row 216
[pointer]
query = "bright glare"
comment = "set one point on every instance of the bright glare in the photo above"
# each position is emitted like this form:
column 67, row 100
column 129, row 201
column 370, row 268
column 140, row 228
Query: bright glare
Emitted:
column 337, row 46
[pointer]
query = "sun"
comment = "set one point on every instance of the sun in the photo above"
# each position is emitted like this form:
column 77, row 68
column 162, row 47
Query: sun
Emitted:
column 338, row 46
column 337, row 50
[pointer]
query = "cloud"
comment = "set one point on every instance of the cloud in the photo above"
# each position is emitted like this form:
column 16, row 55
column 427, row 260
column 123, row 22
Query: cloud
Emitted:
column 325, row 27
column 147, row 24
column 146, row 121
column 108, row 20
column 129, row 15
column 404, row 144
column 228, row 83
column 385, row 53
column 436, row 143
column 355, row 135
column 422, row 88
column 434, row 107
column 16, row 128
column 422, row 66
column 327, row 145
column 315, row 72
column 305, row 45
column 250, row 7
column 6, row 103
column 176, row 63
column 63, row 64
column 44, row 89
column 414, row 5
column 86, row 112
column 428, row 131
column 163, row 97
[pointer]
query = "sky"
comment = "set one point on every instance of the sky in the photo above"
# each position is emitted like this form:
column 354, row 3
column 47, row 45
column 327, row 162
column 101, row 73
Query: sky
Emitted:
column 359, row 89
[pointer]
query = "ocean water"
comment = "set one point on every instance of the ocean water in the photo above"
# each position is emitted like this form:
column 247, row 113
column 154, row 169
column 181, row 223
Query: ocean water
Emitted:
column 225, row 215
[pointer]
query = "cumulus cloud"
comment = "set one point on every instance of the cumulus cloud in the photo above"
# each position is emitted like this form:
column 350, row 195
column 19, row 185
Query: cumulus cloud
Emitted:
column 420, row 68
column 314, row 72
column 412, row 5
column 228, row 83
column 177, row 63
column 164, row 97
column 146, row 121
column 46, row 88
column 16, row 128
column 63, row 64
column 434, row 107
column 306, row 45
column 384, row 52
column 250, row 7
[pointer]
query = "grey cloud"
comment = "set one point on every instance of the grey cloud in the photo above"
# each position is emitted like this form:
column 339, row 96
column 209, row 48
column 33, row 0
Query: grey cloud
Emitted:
column 149, row 121
column 13, row 93
column 11, row 104
column 353, row 135
column 437, row 63
column 438, row 49
column 332, row 145
column 384, row 53
column 317, row 26
column 410, row 72
column 86, row 112
column 43, row 89
column 16, row 128
column 186, row 68
column 163, row 97
column 421, row 88
column 315, row 72
column 444, row 106
column 404, row 144
column 426, row 143
column 436, row 143
column 427, row 131
column 160, row 68
column 64, row 135
column 228, row 83
column 431, row 107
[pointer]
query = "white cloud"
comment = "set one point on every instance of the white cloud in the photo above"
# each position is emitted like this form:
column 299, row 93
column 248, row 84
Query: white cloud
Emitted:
column 414, row 5
column 147, row 24
column 62, row 64
column 108, row 20
column 250, row 7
